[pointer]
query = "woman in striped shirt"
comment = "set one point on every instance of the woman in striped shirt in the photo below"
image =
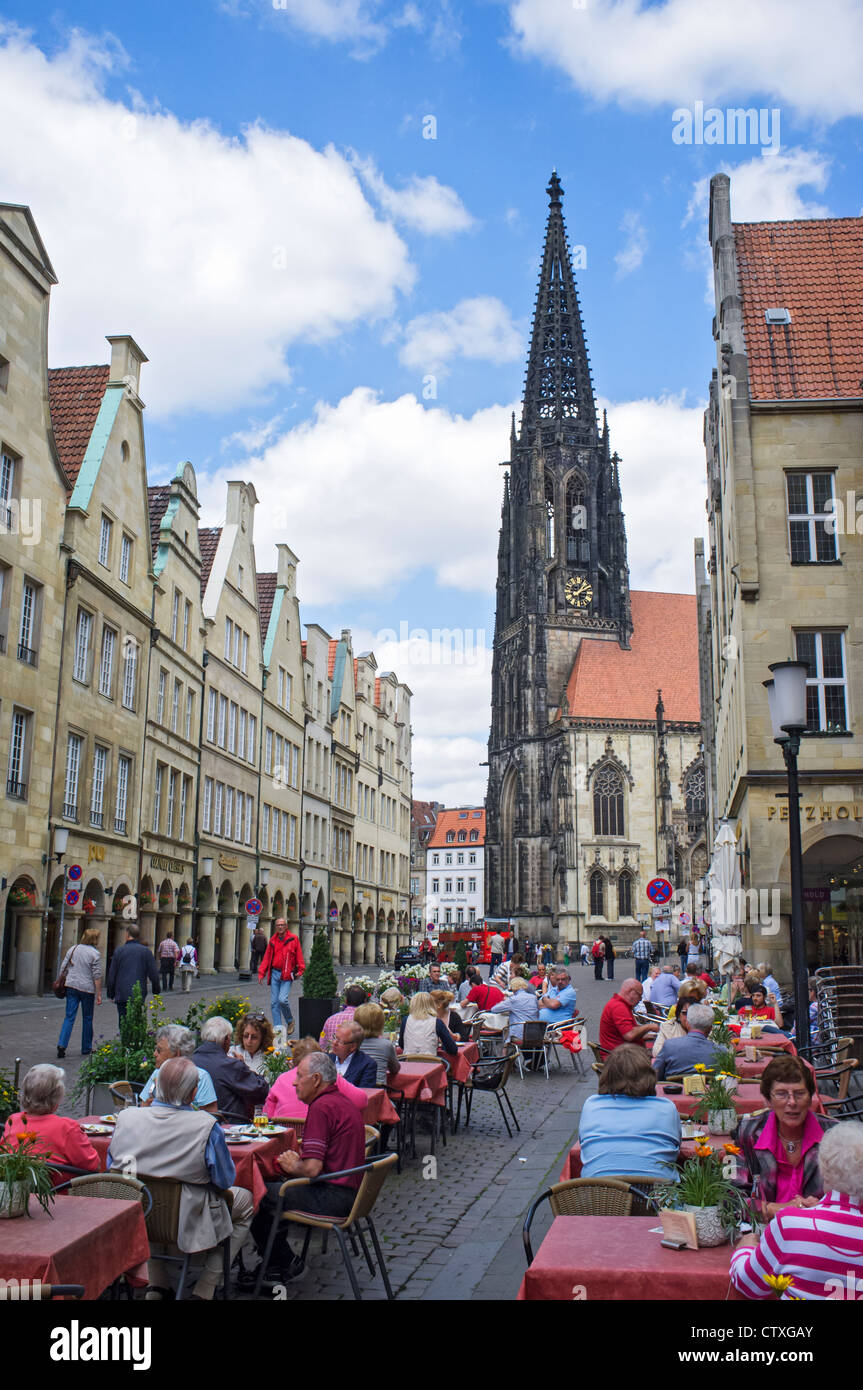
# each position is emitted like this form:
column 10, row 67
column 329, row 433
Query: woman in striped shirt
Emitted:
column 818, row 1250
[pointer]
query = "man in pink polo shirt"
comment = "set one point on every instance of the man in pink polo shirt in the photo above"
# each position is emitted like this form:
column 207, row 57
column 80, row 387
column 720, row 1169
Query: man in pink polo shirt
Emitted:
column 333, row 1140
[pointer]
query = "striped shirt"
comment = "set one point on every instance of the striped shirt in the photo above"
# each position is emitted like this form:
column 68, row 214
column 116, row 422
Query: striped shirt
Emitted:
column 641, row 948
column 821, row 1248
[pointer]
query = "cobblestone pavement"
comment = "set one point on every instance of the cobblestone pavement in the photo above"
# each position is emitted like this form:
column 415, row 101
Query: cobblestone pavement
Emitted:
column 450, row 1230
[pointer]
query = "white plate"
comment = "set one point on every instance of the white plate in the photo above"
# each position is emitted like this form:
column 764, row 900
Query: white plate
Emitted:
column 97, row 1129
column 241, row 1138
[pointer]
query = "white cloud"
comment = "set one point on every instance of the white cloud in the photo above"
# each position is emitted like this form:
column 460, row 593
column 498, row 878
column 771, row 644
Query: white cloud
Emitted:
column 447, row 770
column 216, row 254
column 632, row 51
column 369, row 492
column 423, row 203
column 631, row 254
column 258, row 434
column 480, row 328
column 336, row 21
column 768, row 188
column 662, row 479
column 364, row 25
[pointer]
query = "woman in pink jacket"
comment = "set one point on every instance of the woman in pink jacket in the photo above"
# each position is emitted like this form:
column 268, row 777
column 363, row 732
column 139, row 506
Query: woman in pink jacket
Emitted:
column 62, row 1139
column 283, row 1099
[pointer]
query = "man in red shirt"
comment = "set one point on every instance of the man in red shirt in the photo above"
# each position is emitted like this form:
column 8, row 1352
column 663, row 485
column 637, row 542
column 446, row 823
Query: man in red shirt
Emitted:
column 334, row 1139
column 283, row 962
column 484, row 996
column 618, row 1023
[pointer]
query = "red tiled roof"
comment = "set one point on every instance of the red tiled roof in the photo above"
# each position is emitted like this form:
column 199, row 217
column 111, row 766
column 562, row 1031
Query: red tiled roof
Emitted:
column 607, row 682
column 266, row 594
column 331, row 658
column 75, row 395
column 303, row 645
column 467, row 818
column 422, row 814
column 157, row 500
column 208, row 540
column 814, row 269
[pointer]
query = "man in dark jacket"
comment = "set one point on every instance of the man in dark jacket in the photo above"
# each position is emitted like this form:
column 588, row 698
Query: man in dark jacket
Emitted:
column 131, row 964
column 238, row 1088
column 355, row 1066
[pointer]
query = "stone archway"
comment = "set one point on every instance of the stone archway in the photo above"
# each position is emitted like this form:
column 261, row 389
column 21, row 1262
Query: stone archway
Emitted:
column 165, row 918
column 21, row 943
column 345, row 944
column 116, row 932
column 293, row 912
column 226, row 925
column 243, row 939
column 387, row 944
column 183, row 921
column 94, row 911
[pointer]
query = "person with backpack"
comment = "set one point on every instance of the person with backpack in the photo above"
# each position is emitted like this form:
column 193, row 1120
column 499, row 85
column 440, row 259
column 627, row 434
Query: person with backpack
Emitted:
column 597, row 952
column 610, row 957
column 258, row 948
column 188, row 964
column 169, row 954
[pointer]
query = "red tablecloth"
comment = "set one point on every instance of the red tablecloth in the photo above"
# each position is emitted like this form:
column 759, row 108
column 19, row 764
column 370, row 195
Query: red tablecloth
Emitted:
column 86, row 1240
column 747, row 1099
column 572, row 1167
column 380, row 1109
column 253, row 1162
column 617, row 1257
column 424, row 1081
column 750, row 1069
column 777, row 1042
column 461, row 1066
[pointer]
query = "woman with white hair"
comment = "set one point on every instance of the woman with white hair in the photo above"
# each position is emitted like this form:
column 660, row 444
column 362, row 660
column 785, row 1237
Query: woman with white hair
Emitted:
column 173, row 1040
column 818, row 1249
column 61, row 1139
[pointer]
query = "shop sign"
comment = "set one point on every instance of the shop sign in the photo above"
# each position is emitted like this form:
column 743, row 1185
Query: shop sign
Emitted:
column 165, row 865
column 821, row 810
column 96, row 852
column 228, row 861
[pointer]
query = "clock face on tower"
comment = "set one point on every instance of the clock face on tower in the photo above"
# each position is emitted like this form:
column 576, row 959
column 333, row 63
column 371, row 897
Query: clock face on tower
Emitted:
column 578, row 591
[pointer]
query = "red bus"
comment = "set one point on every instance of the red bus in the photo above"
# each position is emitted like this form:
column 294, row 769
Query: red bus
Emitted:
column 475, row 938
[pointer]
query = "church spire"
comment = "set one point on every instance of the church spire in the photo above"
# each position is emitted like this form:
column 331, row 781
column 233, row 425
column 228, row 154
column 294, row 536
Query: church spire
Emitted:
column 558, row 393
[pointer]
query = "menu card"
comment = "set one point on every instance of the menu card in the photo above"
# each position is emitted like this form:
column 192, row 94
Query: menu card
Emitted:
column 679, row 1226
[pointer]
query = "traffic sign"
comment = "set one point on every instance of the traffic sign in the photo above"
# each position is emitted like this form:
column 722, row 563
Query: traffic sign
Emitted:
column 684, row 919
column 253, row 907
column 72, row 897
column 334, row 914
column 75, row 872
column 659, row 890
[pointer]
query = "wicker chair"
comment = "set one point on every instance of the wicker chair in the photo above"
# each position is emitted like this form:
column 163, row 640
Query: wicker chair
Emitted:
column 373, row 1139
column 123, row 1093
column 292, row 1122
column 163, row 1221
column 577, row 1024
column 374, row 1175
column 580, row 1197
column 599, row 1053
column 491, row 1074
column 641, row 1190
column 841, row 1076
column 114, row 1185
column 533, row 1044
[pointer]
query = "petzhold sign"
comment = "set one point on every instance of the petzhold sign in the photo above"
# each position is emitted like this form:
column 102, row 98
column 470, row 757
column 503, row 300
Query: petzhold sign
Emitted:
column 843, row 810
column 166, row 865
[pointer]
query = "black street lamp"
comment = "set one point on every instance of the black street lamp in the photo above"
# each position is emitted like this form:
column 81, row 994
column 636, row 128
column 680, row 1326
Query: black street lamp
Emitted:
column 786, row 697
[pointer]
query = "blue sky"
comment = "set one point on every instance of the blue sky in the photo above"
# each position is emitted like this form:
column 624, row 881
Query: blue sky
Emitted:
column 247, row 190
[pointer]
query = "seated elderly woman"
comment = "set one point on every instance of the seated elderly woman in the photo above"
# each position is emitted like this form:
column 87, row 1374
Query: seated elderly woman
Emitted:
column 675, row 1027
column 392, row 998
column 443, row 1001
column 422, row 1031
column 626, row 1127
column 62, row 1139
column 283, row 1098
column 370, row 1017
column 780, row 1158
column 253, row 1037
column 176, row 1041
column 522, row 1007
column 819, row 1249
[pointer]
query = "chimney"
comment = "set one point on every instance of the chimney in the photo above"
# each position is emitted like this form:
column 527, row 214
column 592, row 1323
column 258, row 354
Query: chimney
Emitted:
column 240, row 507
column 126, row 360
column 286, row 566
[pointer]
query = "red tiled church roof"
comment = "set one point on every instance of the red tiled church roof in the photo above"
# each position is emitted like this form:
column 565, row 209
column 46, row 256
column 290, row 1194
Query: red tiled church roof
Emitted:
column 157, row 501
column 607, row 682
column 75, row 395
column 466, row 818
column 331, row 658
column 266, row 594
column 814, row 269
column 208, row 539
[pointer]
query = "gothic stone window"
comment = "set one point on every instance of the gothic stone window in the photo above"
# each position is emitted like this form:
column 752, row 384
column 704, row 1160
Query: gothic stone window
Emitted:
column 695, row 797
column 624, row 896
column 597, row 894
column 549, row 517
column 577, row 537
column 608, row 802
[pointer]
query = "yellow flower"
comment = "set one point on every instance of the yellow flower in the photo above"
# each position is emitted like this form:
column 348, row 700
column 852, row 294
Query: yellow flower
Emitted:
column 704, row 1150
column 699, row 1066
column 731, row 1148
column 779, row 1282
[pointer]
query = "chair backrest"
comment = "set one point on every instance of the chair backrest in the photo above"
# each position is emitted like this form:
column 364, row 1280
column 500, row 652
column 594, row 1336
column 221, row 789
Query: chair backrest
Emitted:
column 118, row 1186
column 163, row 1220
column 591, row 1197
column 123, row 1094
column 643, row 1203
column 291, row 1122
column 367, row 1192
column 533, row 1035
column 372, row 1137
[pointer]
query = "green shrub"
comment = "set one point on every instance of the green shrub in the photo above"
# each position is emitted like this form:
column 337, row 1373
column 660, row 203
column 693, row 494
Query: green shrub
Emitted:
column 319, row 979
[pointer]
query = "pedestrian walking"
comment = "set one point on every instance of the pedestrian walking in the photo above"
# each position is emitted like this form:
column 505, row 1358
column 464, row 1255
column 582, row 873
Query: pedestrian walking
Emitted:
column 496, row 949
column 609, row 957
column 258, row 947
column 548, row 954
column 188, row 965
column 82, row 966
column 585, row 953
column 597, row 952
column 641, row 953
column 169, row 954
column 282, row 963
column 683, row 952
column 132, row 963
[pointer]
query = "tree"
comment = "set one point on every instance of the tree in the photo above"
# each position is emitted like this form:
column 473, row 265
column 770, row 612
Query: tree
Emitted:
column 319, row 979
column 460, row 958
column 133, row 1029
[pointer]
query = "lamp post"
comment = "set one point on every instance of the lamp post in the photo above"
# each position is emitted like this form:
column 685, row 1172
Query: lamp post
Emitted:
column 786, row 698
column 61, row 842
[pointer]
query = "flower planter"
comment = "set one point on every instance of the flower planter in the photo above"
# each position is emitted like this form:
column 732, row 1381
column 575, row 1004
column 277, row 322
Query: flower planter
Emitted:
column 13, row 1199
column 314, row 1014
column 708, row 1225
column 731, row 1083
column 721, row 1121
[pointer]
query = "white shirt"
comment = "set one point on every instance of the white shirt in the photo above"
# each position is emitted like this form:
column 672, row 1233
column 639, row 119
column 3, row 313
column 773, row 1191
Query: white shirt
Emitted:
column 341, row 1067
column 646, row 987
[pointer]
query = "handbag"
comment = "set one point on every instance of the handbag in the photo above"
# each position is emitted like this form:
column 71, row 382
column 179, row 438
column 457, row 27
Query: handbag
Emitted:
column 59, row 986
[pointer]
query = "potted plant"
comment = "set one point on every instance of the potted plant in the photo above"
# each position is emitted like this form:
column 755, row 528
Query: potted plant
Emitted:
column 22, row 897
column 706, row 1190
column 88, row 906
column 320, row 996
column 24, row 1172
column 275, row 1063
column 716, row 1106
column 126, row 1058
column 8, row 1096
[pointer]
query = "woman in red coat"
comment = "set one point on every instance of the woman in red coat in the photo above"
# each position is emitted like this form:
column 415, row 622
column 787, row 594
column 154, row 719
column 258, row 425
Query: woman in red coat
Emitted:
column 62, row 1139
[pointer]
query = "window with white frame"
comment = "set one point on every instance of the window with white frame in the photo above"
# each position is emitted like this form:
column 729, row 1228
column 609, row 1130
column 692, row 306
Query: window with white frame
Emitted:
column 124, row 781
column 218, row 799
column 7, row 486
column 16, row 785
column 810, row 498
column 249, row 812
column 292, row 841
column 207, row 804
column 29, row 618
column 229, row 630
column 175, row 706
column 435, row 885
column 236, row 645
column 471, row 859
column 160, row 697
column 265, row 826
column 826, row 684
column 223, row 719
column 274, row 843
column 130, row 673
column 97, row 797
column 105, row 541
column 175, row 614
column 157, row 797
column 252, row 753
column 212, row 702
column 245, row 659
column 125, row 558
column 187, row 619
column 232, row 728
column 471, row 885
column 229, row 812
column 184, row 804
column 295, row 766
column 241, row 735
column 73, row 769
column 172, row 800
column 83, row 628
column 242, row 801
column 268, row 751
column 190, row 711
column 106, row 661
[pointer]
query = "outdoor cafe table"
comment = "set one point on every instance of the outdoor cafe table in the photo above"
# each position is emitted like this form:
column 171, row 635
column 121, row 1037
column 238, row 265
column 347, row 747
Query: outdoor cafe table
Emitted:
column 614, row 1258
column 747, row 1099
column 86, row 1240
column 380, row 1109
column 777, row 1042
column 423, row 1081
column 253, row 1162
column 572, row 1166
